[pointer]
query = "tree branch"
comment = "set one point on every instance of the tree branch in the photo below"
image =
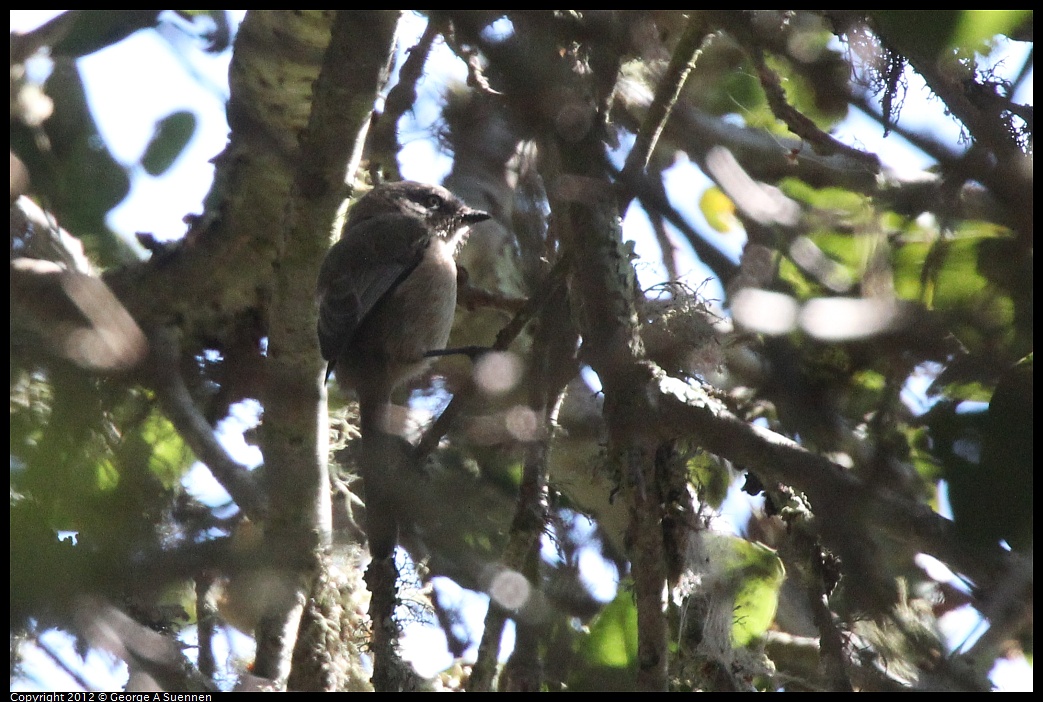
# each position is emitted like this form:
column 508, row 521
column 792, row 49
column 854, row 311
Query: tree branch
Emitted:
column 440, row 427
column 667, row 93
column 384, row 139
column 799, row 123
column 163, row 374
column 835, row 493
column 353, row 71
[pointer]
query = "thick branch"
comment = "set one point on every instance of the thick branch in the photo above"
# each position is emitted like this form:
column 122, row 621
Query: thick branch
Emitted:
column 602, row 293
column 833, row 491
column 294, row 439
column 223, row 266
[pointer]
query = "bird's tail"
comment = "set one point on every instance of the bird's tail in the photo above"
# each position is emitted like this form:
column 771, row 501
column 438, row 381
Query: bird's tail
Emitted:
column 384, row 456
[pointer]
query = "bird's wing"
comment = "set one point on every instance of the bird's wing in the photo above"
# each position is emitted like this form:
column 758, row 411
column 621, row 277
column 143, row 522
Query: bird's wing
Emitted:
column 366, row 265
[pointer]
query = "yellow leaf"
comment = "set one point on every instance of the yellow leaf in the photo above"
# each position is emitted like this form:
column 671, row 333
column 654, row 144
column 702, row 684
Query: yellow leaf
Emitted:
column 718, row 209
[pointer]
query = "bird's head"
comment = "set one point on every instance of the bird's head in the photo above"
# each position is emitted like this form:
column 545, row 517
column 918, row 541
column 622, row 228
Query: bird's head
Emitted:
column 443, row 212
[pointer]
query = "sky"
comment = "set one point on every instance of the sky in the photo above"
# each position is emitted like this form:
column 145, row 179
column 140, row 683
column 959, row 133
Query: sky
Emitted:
column 127, row 99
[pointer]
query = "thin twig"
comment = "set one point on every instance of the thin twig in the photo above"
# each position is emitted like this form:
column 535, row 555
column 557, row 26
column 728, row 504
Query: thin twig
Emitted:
column 654, row 201
column 798, row 122
column 508, row 334
column 206, row 614
column 182, row 412
column 667, row 93
column 400, row 99
column 545, row 391
column 71, row 672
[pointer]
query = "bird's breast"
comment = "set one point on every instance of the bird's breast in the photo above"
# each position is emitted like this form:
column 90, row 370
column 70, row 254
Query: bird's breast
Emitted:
column 427, row 299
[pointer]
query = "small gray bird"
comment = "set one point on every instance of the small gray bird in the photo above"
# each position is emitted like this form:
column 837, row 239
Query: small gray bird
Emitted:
column 387, row 297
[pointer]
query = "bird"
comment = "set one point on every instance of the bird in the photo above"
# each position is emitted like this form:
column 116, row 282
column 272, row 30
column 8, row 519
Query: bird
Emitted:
column 386, row 296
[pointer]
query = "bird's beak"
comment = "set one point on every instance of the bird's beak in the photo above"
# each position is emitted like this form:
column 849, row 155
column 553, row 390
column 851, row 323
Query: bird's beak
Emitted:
column 469, row 216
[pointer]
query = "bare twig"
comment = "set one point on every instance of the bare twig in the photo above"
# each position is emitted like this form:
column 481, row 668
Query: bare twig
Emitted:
column 654, row 201
column 799, row 123
column 400, row 99
column 65, row 667
column 521, row 554
column 440, row 426
column 164, row 376
column 206, row 614
column 667, row 92
column 472, row 297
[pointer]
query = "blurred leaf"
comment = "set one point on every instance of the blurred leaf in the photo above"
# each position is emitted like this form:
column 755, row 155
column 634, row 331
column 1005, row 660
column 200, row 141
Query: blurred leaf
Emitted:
column 1009, row 267
column 1006, row 461
column 64, row 456
column 96, row 29
column 724, row 84
column 833, row 199
column 607, row 652
column 1004, row 263
column 945, row 275
column 929, row 30
column 851, row 252
column 987, row 461
column 171, row 135
column 45, row 571
column 864, row 392
column 817, row 102
column 612, row 640
column 798, row 283
column 759, row 573
column 968, row 391
column 977, row 27
column 170, row 457
column 73, row 170
column 718, row 209
column 939, row 33
column 710, row 477
column 108, row 475
column 924, row 461
column 981, row 230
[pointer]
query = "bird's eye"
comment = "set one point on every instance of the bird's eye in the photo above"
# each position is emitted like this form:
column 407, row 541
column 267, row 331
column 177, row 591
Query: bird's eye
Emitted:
column 432, row 202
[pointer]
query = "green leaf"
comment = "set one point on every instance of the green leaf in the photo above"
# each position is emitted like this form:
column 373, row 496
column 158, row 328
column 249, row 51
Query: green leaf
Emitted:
column 977, row 27
column 930, row 30
column 612, row 640
column 95, row 29
column 946, row 276
column 170, row 457
column 606, row 654
column 832, row 199
column 171, row 135
column 107, row 474
column 758, row 595
column 754, row 573
column 710, row 478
